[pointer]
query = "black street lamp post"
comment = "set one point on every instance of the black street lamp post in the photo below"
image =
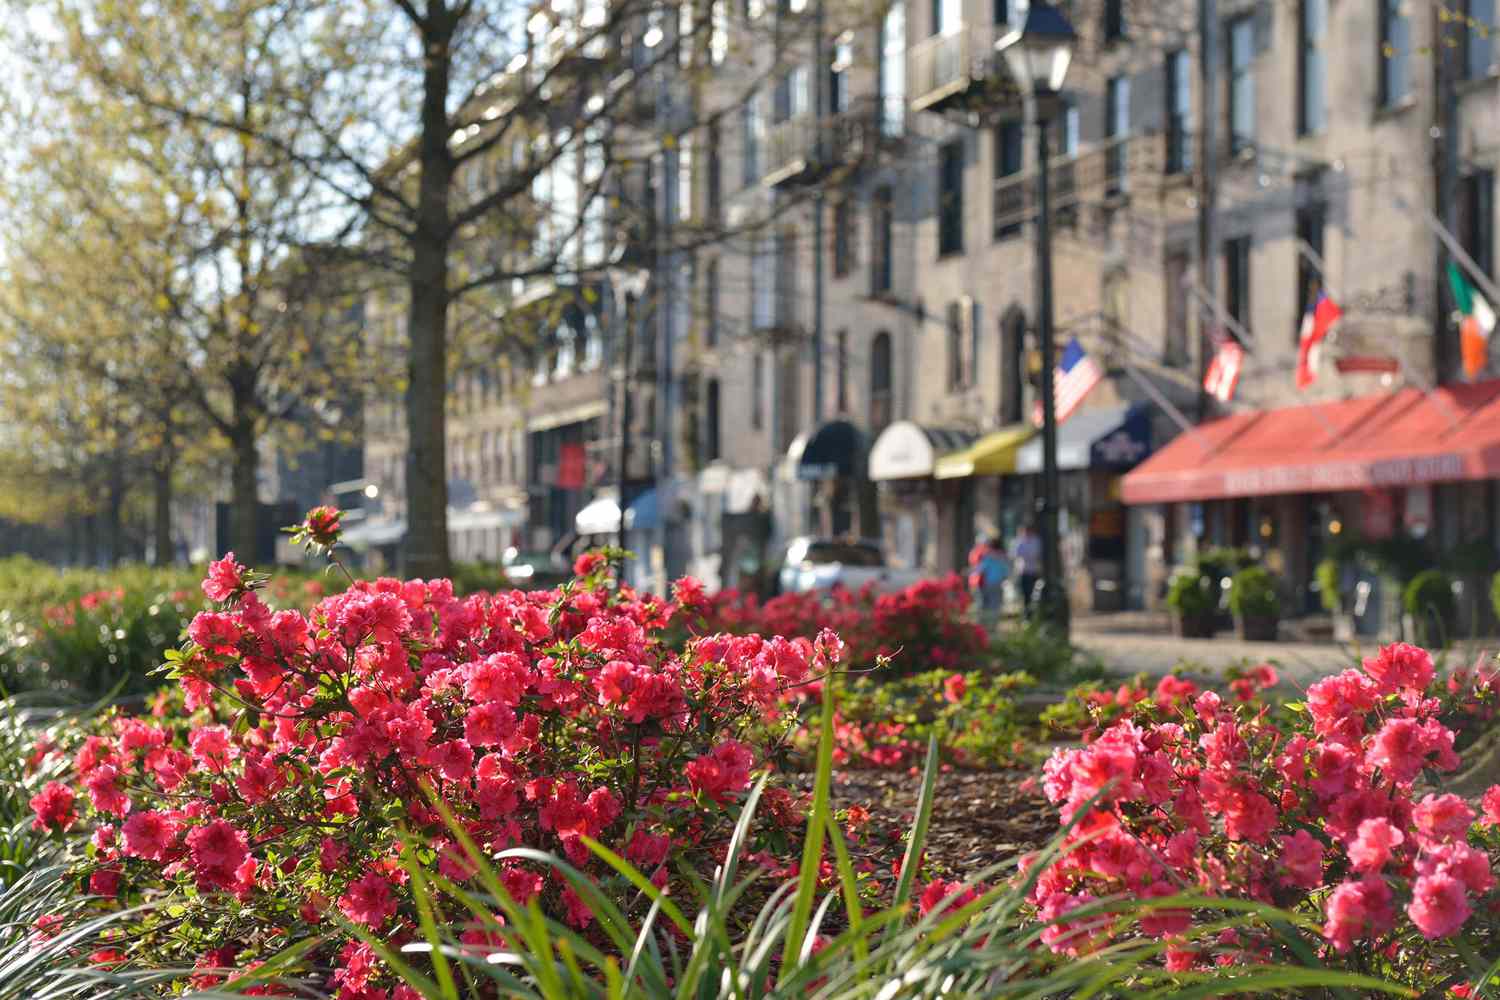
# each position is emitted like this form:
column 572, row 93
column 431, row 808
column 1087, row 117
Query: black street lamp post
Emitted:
column 1038, row 54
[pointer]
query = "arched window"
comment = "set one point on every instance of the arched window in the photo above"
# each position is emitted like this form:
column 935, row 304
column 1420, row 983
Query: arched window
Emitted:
column 880, row 382
column 1012, row 365
column 842, row 388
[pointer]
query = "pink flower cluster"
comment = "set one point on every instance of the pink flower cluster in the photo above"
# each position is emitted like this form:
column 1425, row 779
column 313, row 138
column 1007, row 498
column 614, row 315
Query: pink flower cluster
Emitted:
column 302, row 751
column 1317, row 808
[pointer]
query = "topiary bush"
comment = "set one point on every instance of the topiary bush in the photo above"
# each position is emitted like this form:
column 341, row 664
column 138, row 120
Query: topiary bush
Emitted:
column 1329, row 574
column 1428, row 599
column 1252, row 593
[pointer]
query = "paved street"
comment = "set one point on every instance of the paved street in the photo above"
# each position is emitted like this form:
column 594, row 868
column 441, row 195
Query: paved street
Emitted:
column 1135, row 643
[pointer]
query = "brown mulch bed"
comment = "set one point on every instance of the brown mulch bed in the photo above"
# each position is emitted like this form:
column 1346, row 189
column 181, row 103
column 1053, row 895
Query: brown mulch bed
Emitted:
column 979, row 818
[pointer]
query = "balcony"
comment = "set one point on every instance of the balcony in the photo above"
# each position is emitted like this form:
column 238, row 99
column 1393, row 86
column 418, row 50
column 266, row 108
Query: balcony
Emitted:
column 1095, row 175
column 806, row 149
column 959, row 71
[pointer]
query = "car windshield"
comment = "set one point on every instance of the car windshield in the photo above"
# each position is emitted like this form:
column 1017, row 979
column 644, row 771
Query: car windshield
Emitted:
column 848, row 553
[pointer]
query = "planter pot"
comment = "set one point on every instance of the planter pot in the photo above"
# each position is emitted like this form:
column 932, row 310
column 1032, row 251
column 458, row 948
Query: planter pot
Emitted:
column 1199, row 626
column 1428, row 631
column 1256, row 628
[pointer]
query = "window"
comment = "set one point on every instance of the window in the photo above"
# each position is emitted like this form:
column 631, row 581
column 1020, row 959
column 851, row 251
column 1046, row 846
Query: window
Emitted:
column 715, row 180
column 1478, row 38
column 786, row 279
column 951, row 198
column 685, row 15
column 685, row 178
column 566, row 355
column 1012, row 367
column 1114, row 20
column 1241, row 84
column 1175, row 346
column 1002, row 11
column 593, row 344
column 1068, row 146
column 1395, row 52
column 762, row 285
column 711, row 421
column 1311, row 215
column 958, row 347
column 892, row 81
column 754, row 9
column 843, row 237
column 1116, row 132
column 1474, row 215
column 711, row 303
column 718, row 38
column 841, row 360
column 751, row 138
column 791, row 94
column 1179, row 112
column 880, row 382
column 758, row 392
column 947, row 16
column 882, row 241
column 1237, row 279
column 838, row 74
column 682, row 300
column 1312, row 67
column 1010, row 206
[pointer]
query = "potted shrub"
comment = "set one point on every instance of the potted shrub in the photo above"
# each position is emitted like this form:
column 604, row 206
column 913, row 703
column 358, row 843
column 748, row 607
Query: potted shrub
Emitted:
column 1218, row 565
column 1430, row 608
column 1255, row 604
column 1194, row 603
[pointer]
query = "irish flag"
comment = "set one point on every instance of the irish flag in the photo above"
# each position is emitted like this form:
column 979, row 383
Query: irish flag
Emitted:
column 1476, row 324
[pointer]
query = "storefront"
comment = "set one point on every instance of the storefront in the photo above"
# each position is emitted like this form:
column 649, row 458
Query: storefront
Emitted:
column 833, row 460
column 902, row 461
column 1288, row 483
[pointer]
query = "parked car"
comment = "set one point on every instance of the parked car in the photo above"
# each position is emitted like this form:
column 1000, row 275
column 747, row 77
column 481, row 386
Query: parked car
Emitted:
column 535, row 570
column 823, row 563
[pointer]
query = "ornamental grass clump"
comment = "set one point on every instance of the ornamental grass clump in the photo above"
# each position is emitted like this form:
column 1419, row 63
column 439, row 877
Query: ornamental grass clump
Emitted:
column 1334, row 809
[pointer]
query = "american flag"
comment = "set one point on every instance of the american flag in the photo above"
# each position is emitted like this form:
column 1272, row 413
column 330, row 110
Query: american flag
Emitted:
column 1074, row 376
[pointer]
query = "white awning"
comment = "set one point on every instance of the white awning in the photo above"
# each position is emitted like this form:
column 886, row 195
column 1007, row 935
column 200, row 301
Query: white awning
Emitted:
column 600, row 516
column 482, row 518
column 374, row 533
column 1075, row 438
column 906, row 450
column 745, row 485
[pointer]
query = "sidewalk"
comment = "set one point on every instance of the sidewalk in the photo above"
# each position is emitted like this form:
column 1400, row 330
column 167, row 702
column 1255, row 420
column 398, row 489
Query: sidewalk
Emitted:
column 1137, row 642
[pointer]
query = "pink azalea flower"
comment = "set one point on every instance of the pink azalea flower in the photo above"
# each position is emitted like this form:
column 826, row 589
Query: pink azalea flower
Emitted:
column 369, row 901
column 225, row 578
column 1372, row 847
column 1356, row 910
column 1438, row 905
column 1441, row 818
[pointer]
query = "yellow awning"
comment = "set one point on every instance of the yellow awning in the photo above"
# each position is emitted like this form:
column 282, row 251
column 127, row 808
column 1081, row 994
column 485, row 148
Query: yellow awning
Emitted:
column 992, row 455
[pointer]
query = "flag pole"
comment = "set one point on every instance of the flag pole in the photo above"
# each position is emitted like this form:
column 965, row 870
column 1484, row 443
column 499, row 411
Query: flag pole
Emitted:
column 1156, row 396
column 1455, row 249
column 1316, row 260
column 1221, row 314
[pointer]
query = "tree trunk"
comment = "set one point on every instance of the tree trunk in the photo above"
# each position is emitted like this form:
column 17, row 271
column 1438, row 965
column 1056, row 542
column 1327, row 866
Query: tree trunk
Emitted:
column 90, row 540
column 425, row 552
column 161, row 510
column 243, row 500
column 114, row 536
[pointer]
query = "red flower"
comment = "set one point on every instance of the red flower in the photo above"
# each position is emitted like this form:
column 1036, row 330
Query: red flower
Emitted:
column 321, row 525
column 149, row 835
column 721, row 772
column 225, row 579
column 369, row 901
column 1438, row 905
column 216, row 851
column 954, row 688
column 53, row 807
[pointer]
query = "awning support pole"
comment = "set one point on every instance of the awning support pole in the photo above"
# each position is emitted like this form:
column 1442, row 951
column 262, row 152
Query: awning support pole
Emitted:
column 1155, row 395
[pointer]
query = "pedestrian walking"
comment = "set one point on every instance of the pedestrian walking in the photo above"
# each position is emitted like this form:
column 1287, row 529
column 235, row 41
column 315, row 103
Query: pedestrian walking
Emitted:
column 987, row 579
column 1026, row 561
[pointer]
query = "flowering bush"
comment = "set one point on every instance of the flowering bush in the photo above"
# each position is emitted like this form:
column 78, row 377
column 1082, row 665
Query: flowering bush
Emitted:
column 1325, row 812
column 886, row 723
column 920, row 627
column 304, row 761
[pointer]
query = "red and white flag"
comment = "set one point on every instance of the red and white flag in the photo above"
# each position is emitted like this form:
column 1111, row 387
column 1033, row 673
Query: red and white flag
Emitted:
column 1223, row 373
column 1316, row 322
column 1072, row 379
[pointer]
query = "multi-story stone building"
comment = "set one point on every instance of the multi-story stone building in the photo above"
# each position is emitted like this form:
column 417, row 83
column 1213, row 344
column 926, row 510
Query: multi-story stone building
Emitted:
column 846, row 195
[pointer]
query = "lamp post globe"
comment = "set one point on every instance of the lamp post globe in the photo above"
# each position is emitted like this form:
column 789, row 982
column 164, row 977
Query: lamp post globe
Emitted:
column 1038, row 54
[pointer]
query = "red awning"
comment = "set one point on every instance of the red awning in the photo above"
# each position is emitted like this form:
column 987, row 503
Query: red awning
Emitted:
column 1395, row 439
